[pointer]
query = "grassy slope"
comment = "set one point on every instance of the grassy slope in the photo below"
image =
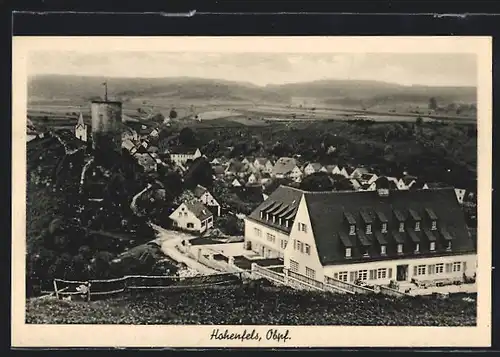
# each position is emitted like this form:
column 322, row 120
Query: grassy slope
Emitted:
column 275, row 306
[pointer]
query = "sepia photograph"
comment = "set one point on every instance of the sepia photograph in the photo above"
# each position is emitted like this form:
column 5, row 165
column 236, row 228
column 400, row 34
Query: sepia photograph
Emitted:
column 232, row 192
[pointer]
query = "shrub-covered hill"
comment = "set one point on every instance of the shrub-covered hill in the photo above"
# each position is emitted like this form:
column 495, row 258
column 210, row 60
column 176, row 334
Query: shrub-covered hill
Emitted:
column 234, row 305
column 67, row 236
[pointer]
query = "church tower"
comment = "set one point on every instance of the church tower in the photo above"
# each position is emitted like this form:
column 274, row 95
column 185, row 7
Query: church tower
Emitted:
column 81, row 129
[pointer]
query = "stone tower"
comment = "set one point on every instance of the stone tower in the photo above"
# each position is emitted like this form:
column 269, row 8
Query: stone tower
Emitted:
column 106, row 125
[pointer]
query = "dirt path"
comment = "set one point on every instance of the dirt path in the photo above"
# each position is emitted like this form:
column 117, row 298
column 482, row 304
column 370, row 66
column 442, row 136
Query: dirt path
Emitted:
column 168, row 240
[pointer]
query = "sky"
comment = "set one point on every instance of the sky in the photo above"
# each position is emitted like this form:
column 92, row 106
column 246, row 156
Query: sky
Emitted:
column 434, row 69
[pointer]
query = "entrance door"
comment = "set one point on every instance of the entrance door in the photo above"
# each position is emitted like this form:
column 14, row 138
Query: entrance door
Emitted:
column 402, row 272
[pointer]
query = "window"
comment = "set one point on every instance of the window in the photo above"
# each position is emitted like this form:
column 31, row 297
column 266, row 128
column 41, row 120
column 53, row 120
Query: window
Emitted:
column 382, row 273
column 302, row 227
column 417, row 248
column 363, row 274
column 190, row 225
column 432, row 246
column 457, row 266
column 258, row 232
column 283, row 244
column 383, row 250
column 400, row 248
column 185, row 214
column 348, row 252
column 368, row 229
column 439, row 268
column 310, row 273
column 352, row 230
column 180, row 214
column 308, row 249
column 294, row 266
column 271, row 237
column 448, row 247
column 343, row 276
column 203, row 223
column 417, row 226
column 401, row 227
column 433, row 225
column 384, row 227
column 421, row 269
column 300, row 246
column 373, row 274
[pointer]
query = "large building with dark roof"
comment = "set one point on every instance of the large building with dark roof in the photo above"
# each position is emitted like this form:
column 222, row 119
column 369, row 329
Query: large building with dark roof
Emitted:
column 379, row 236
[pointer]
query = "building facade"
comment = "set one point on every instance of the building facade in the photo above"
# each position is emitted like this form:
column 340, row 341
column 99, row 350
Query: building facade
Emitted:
column 193, row 216
column 371, row 236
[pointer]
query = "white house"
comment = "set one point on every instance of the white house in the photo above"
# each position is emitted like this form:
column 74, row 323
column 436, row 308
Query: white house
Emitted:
column 311, row 168
column 215, row 161
column 286, row 167
column 376, row 237
column 205, row 197
column 236, row 183
column 373, row 236
column 267, row 228
column 252, row 179
column 263, row 164
column 181, row 155
column 358, row 172
column 193, row 216
column 81, row 129
column 460, row 193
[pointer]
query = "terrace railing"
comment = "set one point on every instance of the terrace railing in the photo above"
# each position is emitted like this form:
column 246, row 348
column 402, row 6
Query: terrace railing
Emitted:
column 318, row 285
column 392, row 292
column 268, row 274
column 348, row 286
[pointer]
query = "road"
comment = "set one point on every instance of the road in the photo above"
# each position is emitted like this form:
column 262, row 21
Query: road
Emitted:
column 168, row 240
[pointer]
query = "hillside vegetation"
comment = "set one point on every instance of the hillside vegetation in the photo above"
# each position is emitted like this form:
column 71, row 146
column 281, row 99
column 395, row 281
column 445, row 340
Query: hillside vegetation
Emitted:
column 235, row 305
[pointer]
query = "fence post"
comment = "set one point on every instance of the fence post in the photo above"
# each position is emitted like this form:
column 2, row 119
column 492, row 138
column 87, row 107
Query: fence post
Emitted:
column 88, row 291
column 55, row 289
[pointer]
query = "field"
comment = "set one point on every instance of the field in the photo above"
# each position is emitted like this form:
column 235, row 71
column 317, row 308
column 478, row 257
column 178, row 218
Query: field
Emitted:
column 235, row 305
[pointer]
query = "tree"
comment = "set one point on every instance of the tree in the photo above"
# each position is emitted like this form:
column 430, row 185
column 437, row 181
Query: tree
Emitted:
column 200, row 172
column 187, row 137
column 173, row 114
column 319, row 181
column 158, row 118
column 419, row 121
column 433, row 105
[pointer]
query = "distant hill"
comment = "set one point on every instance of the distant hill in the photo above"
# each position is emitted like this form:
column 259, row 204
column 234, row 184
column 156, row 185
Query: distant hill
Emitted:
column 373, row 92
column 345, row 92
column 78, row 88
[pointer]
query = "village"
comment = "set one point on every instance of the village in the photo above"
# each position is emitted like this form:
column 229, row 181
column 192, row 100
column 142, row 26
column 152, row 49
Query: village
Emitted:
column 292, row 222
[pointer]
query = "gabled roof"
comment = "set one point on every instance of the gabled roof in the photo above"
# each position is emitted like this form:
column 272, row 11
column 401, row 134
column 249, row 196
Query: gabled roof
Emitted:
column 199, row 191
column 284, row 165
column 315, row 165
column 328, row 221
column 199, row 210
column 283, row 202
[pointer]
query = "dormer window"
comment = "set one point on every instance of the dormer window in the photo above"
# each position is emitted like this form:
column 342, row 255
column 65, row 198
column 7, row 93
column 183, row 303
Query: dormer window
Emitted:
column 274, row 219
column 287, row 223
column 383, row 250
column 432, row 246
column 434, row 225
column 348, row 252
column 400, row 248
column 448, row 247
column 417, row 226
column 368, row 229
column 365, row 252
column 417, row 248
column 352, row 230
column 401, row 227
column 384, row 228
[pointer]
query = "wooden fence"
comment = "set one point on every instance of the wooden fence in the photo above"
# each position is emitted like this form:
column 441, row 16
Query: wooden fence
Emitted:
column 85, row 290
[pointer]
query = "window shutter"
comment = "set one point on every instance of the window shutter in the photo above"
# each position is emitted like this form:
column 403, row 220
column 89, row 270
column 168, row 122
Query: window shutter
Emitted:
column 414, row 270
column 389, row 273
column 448, row 267
column 372, row 274
column 464, row 266
column 351, row 276
column 295, row 244
column 335, row 275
